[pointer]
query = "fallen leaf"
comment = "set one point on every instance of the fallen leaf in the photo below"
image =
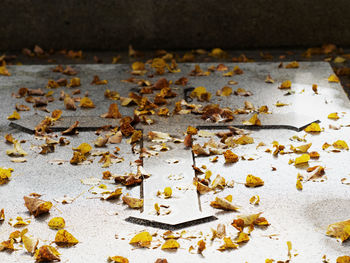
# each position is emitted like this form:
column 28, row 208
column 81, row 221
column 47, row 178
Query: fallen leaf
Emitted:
column 222, row 203
column 133, row 202
column 118, row 259
column 343, row 259
column 254, row 200
column 313, row 127
column 86, row 102
column 333, row 78
column 113, row 112
column 65, row 239
column 339, row 230
column 225, row 91
column 2, row 215
column 269, row 79
column 286, row 85
column 17, row 150
column 293, row 64
column 14, row 116
column 37, row 206
column 201, row 94
column 30, row 244
column 5, row 174
column 253, row 181
column 46, row 253
column 57, row 223
column 242, row 238
column 304, row 158
column 170, row 244
column 230, row 157
column 340, row 144
column 333, row 116
column 98, row 81
column 254, row 120
column 142, row 239
column 228, row 244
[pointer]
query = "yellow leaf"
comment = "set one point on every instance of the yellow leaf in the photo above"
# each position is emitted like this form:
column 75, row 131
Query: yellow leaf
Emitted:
column 14, row 116
column 170, row 244
column 74, row 82
column 242, row 238
column 118, row 259
column 138, row 66
column 86, row 103
column 299, row 185
column 333, row 78
column 253, row 181
column 340, row 144
column 280, row 104
column 230, row 157
column 57, row 223
column 17, row 150
column 243, row 140
column 2, row 215
column 46, row 253
column 269, row 79
column 3, row 70
column 225, row 91
column 167, row 192
column 339, row 230
column 65, row 239
column 304, row 158
column 29, row 243
column 228, row 244
column 289, row 245
column 254, row 200
column 286, row 85
column 343, row 259
column 293, row 64
column 142, row 239
column 83, row 148
column 333, row 116
column 302, row 148
column 201, row 94
column 254, row 120
column 5, row 174
column 313, row 127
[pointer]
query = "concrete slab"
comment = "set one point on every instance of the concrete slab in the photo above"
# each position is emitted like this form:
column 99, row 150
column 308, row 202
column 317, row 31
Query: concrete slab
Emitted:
column 297, row 216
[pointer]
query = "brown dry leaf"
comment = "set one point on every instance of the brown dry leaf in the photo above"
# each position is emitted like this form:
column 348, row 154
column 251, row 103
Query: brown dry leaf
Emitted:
column 14, row 116
column 69, row 103
column 46, row 253
column 101, row 141
column 230, row 157
column 142, row 239
column 72, row 130
column 339, row 230
column 116, row 138
column 202, row 188
column 222, row 203
column 98, row 81
column 269, row 79
column 113, row 112
column 65, row 239
column 114, row 195
column 5, row 174
column 118, row 259
column 253, row 181
column 133, row 202
column 86, row 102
column 170, row 244
column 37, row 206
column 135, row 137
column 57, row 223
column 21, row 107
column 228, row 244
column 219, row 182
column 201, row 94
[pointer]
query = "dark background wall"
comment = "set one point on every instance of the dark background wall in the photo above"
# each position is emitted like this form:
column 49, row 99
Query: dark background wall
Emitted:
column 176, row 24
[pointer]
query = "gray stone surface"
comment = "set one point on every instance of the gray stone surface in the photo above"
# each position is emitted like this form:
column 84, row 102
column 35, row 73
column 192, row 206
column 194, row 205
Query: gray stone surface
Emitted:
column 114, row 24
column 299, row 217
